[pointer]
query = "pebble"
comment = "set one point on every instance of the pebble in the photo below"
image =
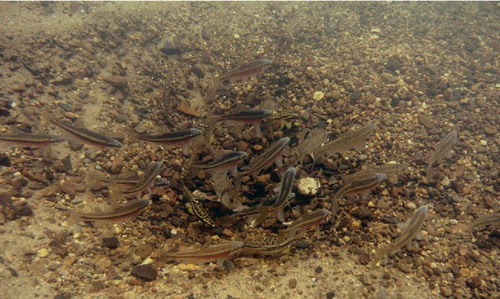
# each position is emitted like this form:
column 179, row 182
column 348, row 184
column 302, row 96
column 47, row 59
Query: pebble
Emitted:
column 117, row 165
column 236, row 35
column 445, row 182
column 167, row 46
column 362, row 157
column 484, row 142
column 308, row 186
column 117, row 81
column 75, row 145
column 292, row 283
column 318, row 95
column 111, row 242
column 330, row 294
column 143, row 250
column 44, row 252
column 146, row 272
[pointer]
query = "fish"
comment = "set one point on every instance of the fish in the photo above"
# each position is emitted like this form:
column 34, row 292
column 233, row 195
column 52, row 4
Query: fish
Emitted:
column 362, row 186
column 246, row 70
column 349, row 140
column 197, row 209
column 206, row 254
column 146, row 180
column 412, row 229
column 309, row 145
column 228, row 161
column 272, row 154
column 121, row 214
column 301, row 225
column 31, row 139
column 226, row 192
column 492, row 219
column 173, row 138
column 247, row 116
column 285, row 193
column 390, row 170
column 267, row 245
column 85, row 135
column 441, row 149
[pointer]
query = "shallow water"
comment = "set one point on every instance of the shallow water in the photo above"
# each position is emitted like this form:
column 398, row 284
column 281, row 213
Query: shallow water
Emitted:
column 418, row 71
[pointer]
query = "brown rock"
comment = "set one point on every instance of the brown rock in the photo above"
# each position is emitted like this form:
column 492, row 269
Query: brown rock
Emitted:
column 117, row 81
column 292, row 283
column 143, row 250
column 117, row 165
column 111, row 242
column 146, row 272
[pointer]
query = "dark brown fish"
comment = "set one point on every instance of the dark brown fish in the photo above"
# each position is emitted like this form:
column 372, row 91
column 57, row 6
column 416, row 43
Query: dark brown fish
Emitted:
column 248, row 116
column 228, row 161
column 272, row 154
column 172, row 138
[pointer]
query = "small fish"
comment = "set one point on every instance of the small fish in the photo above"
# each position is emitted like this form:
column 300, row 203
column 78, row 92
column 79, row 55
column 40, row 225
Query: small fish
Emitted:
column 242, row 72
column 205, row 254
column 31, row 139
column 412, row 229
column 198, row 210
column 248, row 116
column 226, row 192
column 492, row 219
column 146, row 180
column 272, row 154
column 362, row 186
column 267, row 245
column 352, row 139
column 442, row 149
column 228, row 161
column 309, row 145
column 122, row 181
column 301, row 225
column 173, row 138
column 285, row 193
column 120, row 214
column 85, row 135
column 246, row 70
column 390, row 170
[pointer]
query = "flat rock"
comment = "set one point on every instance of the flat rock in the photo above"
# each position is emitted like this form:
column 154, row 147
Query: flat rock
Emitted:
column 146, row 272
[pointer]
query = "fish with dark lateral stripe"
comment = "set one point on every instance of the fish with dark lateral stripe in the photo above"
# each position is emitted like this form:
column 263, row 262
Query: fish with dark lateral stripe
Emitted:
column 31, row 139
column 85, row 135
column 412, row 229
column 173, row 138
column 121, row 214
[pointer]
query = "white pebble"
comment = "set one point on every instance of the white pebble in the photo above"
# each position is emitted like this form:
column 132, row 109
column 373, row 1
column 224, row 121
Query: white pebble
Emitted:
column 484, row 142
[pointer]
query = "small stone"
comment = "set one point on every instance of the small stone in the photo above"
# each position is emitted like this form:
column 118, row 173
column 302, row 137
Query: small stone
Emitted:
column 330, row 294
column 111, row 242
column 146, row 272
column 242, row 146
column 308, row 186
column 318, row 95
column 117, row 165
column 197, row 69
column 227, row 232
column 336, row 95
column 143, row 250
column 83, row 94
column 75, row 145
column 44, row 252
column 167, row 46
column 446, row 291
column 445, row 182
column 318, row 269
column 484, row 142
column 117, row 81
column 362, row 157
column 236, row 35
column 375, row 30
column 292, row 283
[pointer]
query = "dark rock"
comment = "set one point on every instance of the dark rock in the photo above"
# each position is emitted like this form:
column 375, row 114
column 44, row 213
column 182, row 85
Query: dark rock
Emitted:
column 292, row 283
column 111, row 242
column 146, row 272
column 67, row 163
column 117, row 81
column 330, row 294
column 66, row 107
column 24, row 210
column 168, row 47
column 393, row 64
column 75, row 145
column 197, row 69
column 4, row 160
column 318, row 269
